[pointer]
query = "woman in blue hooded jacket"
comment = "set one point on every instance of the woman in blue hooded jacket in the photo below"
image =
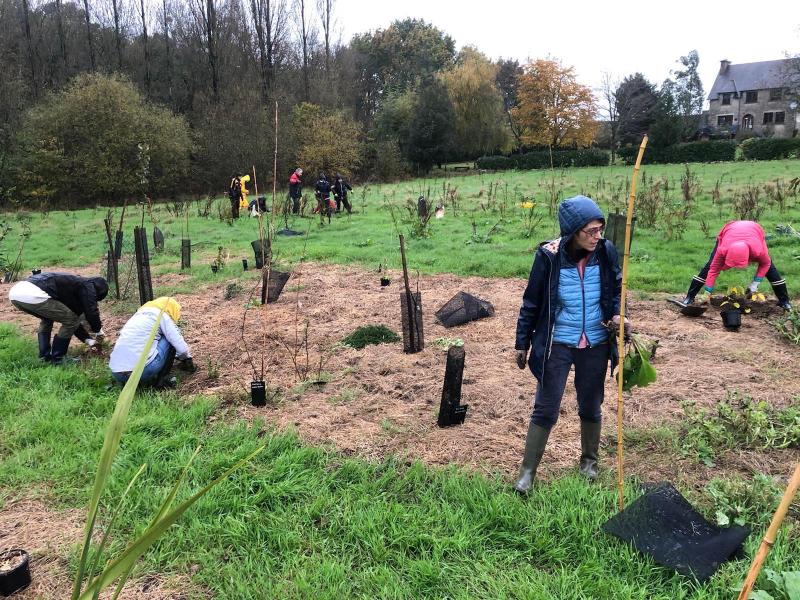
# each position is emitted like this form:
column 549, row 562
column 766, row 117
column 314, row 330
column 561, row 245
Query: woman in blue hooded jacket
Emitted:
column 570, row 309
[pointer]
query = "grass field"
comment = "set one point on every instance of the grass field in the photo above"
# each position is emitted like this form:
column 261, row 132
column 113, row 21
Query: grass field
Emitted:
column 486, row 233
column 304, row 522
column 308, row 522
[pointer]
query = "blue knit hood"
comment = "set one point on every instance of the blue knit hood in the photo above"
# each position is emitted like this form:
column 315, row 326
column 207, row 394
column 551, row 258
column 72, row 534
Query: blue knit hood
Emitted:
column 574, row 213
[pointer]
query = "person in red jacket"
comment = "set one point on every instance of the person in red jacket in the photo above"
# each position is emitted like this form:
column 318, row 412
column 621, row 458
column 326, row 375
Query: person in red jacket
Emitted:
column 739, row 243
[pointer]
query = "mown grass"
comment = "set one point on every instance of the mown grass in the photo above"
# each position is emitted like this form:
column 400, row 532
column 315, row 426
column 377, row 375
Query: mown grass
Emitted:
column 369, row 237
column 303, row 522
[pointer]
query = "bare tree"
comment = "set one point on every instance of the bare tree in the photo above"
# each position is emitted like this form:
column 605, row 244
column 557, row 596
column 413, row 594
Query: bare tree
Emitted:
column 269, row 19
column 325, row 10
column 145, row 48
column 207, row 12
column 300, row 15
column 167, row 54
column 89, row 34
column 608, row 94
column 31, row 54
column 62, row 40
column 117, row 32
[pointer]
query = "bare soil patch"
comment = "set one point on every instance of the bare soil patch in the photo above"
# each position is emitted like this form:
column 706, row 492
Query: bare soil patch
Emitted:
column 380, row 401
column 48, row 536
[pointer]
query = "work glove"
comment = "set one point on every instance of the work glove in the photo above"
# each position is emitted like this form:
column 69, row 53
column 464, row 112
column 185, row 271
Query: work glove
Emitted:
column 522, row 358
column 90, row 342
column 704, row 297
column 188, row 365
column 753, row 287
column 99, row 335
column 614, row 327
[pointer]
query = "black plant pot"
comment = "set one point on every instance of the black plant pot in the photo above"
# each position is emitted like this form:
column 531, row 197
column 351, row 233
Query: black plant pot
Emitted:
column 15, row 578
column 258, row 393
column 385, row 281
column 36, row 271
column 731, row 319
column 214, row 268
column 244, row 264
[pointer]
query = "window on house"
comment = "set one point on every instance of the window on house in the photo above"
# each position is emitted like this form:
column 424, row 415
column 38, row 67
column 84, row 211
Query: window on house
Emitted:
column 780, row 116
column 724, row 120
column 747, row 122
column 776, row 94
column 726, row 98
column 751, row 97
column 768, row 117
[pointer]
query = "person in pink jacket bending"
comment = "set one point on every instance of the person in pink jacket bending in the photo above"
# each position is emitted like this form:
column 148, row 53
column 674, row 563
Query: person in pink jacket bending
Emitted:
column 739, row 243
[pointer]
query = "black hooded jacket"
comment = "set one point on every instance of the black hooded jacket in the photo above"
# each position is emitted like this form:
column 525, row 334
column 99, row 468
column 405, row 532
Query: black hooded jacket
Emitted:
column 79, row 294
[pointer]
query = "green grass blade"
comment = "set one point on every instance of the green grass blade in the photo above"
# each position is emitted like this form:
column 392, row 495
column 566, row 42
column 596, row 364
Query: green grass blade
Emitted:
column 116, row 512
column 162, row 511
column 124, row 563
column 109, row 452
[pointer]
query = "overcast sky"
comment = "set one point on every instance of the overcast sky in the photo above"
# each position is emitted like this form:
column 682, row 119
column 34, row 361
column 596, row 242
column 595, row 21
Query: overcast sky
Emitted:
column 617, row 36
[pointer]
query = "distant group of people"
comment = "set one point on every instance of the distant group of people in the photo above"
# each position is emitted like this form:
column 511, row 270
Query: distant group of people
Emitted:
column 330, row 195
column 72, row 301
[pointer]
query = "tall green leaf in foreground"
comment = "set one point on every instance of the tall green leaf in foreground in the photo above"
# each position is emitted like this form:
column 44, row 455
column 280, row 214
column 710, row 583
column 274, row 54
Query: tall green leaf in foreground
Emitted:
column 120, row 567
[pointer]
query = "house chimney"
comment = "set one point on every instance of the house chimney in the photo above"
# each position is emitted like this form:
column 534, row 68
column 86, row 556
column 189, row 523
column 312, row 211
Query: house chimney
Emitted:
column 723, row 66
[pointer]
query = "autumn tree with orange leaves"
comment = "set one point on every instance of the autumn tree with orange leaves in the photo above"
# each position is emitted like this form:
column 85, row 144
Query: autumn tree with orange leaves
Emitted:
column 553, row 108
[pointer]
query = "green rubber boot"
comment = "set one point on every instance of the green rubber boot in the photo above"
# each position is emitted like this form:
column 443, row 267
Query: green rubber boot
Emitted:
column 535, row 442
column 590, row 447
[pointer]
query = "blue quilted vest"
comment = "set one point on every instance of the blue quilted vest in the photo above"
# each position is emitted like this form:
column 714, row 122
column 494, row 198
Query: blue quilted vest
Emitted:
column 578, row 310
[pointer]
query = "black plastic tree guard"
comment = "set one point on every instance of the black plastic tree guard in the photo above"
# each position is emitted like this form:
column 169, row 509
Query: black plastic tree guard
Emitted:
column 143, row 265
column 451, row 411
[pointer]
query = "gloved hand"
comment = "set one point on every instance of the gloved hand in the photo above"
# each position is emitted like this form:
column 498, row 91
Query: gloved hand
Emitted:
column 90, row 342
column 522, row 358
column 614, row 327
column 188, row 365
column 99, row 335
column 704, row 297
column 753, row 287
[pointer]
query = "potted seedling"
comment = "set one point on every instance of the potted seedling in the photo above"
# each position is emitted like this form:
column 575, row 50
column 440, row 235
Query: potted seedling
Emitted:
column 733, row 305
column 15, row 571
column 385, row 279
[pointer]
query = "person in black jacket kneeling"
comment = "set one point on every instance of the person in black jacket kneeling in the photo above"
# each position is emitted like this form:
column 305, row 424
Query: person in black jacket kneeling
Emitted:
column 569, row 311
column 61, row 298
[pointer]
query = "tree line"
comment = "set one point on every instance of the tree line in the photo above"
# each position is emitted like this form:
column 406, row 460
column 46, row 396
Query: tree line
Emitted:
column 103, row 99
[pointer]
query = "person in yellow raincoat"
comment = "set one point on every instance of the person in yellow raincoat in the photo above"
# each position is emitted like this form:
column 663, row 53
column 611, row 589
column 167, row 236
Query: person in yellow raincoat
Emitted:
column 243, row 204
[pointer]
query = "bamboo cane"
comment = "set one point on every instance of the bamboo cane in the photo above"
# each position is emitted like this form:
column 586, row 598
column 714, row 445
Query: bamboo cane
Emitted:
column 255, row 182
column 772, row 532
column 621, row 332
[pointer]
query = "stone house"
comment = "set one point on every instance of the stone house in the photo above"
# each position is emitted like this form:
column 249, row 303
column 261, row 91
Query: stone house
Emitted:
column 754, row 99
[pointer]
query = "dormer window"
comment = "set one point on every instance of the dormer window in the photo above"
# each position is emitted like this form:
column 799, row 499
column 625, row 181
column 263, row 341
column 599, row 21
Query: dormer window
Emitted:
column 726, row 98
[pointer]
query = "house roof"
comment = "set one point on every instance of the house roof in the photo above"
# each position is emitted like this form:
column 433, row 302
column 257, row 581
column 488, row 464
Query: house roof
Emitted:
column 750, row 76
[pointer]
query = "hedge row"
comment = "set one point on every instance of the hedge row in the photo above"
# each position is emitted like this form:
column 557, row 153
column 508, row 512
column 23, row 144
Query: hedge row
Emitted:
column 703, row 152
column 541, row 160
column 770, row 148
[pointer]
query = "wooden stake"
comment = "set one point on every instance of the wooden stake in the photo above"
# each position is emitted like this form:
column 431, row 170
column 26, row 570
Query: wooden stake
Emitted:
column 621, row 333
column 255, row 182
column 112, row 255
column 772, row 532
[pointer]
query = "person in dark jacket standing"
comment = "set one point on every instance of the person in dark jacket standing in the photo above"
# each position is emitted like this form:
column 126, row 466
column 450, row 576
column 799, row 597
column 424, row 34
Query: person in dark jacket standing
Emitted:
column 340, row 187
column 296, row 189
column 62, row 298
column 569, row 311
column 322, row 190
column 235, row 195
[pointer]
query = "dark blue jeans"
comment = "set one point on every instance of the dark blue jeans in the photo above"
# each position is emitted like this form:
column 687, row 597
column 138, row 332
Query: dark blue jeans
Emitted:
column 590, row 372
column 160, row 364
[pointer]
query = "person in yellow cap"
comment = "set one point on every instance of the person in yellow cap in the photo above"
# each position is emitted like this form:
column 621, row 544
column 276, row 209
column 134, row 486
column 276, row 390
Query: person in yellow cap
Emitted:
column 167, row 345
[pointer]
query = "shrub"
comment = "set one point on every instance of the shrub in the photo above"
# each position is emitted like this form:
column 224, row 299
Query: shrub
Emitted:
column 770, row 149
column 98, row 139
column 540, row 159
column 707, row 151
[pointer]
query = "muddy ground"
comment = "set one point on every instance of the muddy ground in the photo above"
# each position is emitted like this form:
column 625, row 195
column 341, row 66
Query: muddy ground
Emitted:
column 379, row 401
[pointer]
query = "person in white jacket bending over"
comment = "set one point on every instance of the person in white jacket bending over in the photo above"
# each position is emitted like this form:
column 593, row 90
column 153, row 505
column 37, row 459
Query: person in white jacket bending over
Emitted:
column 167, row 345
